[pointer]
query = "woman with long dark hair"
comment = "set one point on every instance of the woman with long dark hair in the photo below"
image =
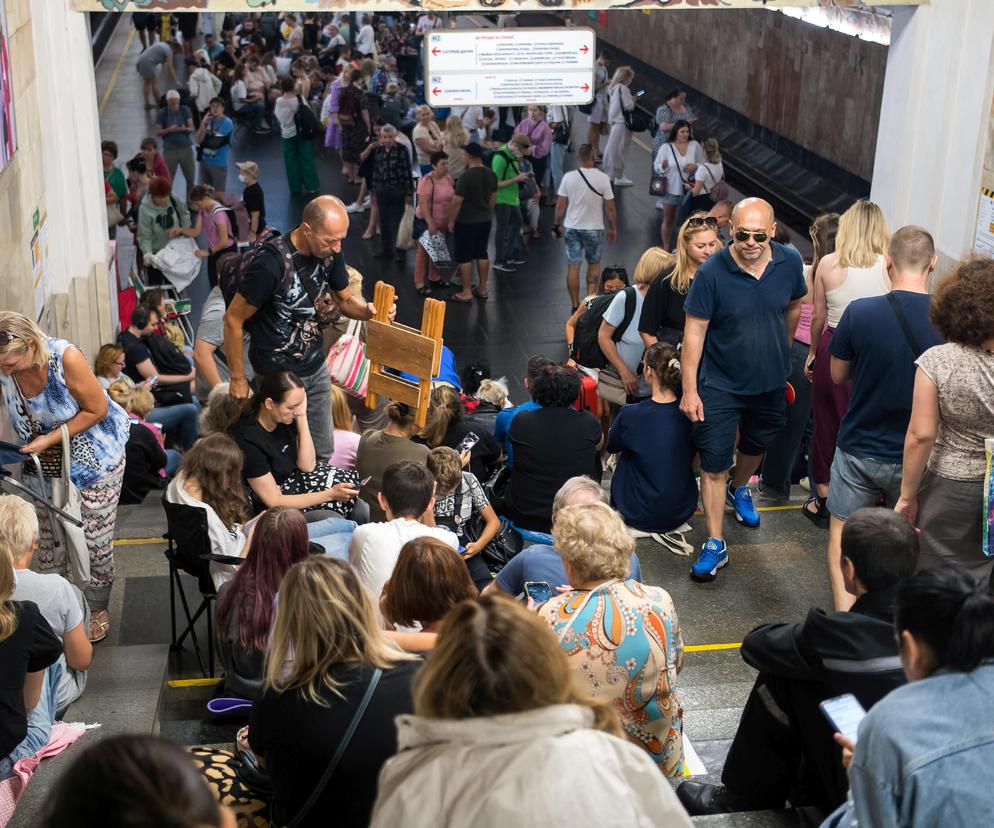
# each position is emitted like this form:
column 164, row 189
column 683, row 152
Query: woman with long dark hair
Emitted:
column 246, row 604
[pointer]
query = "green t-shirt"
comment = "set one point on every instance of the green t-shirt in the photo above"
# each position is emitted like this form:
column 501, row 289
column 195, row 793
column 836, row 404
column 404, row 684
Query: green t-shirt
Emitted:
column 505, row 165
column 117, row 182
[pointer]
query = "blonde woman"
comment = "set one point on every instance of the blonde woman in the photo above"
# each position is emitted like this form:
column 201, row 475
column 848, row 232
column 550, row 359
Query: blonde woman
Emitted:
column 327, row 653
column 426, row 136
column 454, row 138
column 619, row 139
column 854, row 271
column 618, row 337
column 32, row 670
column 637, row 670
column 346, row 440
column 148, row 463
column 46, row 383
column 500, row 730
column 662, row 313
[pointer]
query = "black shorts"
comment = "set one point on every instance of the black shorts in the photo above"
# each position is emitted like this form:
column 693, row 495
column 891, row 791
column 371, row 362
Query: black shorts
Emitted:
column 188, row 23
column 757, row 419
column 147, row 21
column 470, row 241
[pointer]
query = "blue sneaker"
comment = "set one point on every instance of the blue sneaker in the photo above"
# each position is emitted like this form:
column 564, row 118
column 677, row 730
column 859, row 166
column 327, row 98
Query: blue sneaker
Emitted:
column 714, row 555
column 740, row 500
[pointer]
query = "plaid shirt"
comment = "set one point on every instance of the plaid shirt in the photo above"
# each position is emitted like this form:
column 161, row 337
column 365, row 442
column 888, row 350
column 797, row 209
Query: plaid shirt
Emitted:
column 392, row 170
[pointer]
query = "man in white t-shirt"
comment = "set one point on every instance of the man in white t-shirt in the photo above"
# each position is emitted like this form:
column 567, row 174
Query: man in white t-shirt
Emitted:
column 366, row 37
column 408, row 499
column 61, row 604
column 585, row 195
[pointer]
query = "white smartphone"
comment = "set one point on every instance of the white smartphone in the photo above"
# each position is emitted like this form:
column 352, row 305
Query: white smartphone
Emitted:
column 844, row 713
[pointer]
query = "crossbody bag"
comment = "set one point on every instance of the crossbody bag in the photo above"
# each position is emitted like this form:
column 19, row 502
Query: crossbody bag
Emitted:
column 902, row 320
column 339, row 752
column 589, row 185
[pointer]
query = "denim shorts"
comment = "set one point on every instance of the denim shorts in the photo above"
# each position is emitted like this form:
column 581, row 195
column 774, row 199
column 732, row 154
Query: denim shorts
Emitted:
column 757, row 420
column 859, row 481
column 580, row 243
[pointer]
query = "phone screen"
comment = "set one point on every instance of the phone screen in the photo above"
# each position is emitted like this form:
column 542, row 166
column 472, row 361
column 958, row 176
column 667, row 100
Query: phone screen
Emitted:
column 468, row 442
column 844, row 713
column 538, row 591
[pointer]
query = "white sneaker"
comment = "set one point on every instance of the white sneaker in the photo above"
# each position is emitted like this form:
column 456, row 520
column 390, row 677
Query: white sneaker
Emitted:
column 354, row 207
column 367, row 203
column 622, row 182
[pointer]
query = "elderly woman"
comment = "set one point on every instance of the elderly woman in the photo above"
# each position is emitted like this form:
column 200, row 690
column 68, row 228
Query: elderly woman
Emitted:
column 952, row 412
column 622, row 638
column 46, row 384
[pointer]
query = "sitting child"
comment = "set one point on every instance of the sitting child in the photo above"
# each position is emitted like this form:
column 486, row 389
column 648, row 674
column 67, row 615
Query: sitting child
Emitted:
column 148, row 463
column 462, row 506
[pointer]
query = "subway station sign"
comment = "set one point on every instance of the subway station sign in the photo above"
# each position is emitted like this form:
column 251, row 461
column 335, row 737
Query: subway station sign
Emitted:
column 509, row 66
column 455, row 5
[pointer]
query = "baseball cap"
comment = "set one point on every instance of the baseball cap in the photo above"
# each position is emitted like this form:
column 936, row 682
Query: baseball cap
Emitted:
column 249, row 168
column 522, row 141
column 473, row 149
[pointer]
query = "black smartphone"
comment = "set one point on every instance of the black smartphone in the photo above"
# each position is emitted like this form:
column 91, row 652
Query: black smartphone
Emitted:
column 538, row 591
column 467, row 442
column 811, row 365
column 11, row 454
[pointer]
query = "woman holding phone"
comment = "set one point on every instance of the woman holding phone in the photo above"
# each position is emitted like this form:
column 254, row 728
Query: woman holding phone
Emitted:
column 46, row 384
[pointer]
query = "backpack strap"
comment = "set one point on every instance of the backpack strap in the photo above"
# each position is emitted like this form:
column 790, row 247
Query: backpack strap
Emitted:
column 916, row 349
column 629, row 314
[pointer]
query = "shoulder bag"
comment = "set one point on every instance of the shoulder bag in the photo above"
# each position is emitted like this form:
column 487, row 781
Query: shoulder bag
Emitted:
column 718, row 191
column 322, row 478
column 339, row 752
column 589, row 185
column 66, row 497
column 902, row 320
column 347, row 363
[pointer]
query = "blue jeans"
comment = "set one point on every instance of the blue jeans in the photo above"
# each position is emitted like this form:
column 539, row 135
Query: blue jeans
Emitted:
column 780, row 457
column 173, row 459
column 40, row 721
column 557, row 156
column 178, row 420
column 334, row 534
column 255, row 111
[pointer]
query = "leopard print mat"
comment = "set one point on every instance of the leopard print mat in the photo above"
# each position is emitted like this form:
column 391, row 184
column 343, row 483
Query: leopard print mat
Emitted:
column 219, row 769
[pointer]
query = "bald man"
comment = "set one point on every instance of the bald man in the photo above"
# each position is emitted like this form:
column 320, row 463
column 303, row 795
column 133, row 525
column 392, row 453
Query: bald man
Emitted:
column 290, row 290
column 742, row 309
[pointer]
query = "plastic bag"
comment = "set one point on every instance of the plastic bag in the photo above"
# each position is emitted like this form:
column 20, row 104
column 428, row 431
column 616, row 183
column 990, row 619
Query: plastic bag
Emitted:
column 178, row 261
column 405, row 233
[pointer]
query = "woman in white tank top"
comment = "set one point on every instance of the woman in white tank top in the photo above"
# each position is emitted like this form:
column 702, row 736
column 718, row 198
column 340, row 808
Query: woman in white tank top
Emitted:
column 856, row 270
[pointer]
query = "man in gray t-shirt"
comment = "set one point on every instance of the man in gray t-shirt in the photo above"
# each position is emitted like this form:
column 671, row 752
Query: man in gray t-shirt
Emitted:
column 208, row 351
column 174, row 125
column 149, row 61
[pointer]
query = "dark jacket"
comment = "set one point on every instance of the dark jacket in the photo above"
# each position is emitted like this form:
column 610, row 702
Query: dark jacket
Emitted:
column 484, row 416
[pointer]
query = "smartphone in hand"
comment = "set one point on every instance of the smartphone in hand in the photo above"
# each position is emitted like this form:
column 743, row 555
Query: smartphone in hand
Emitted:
column 538, row 591
column 467, row 442
column 844, row 713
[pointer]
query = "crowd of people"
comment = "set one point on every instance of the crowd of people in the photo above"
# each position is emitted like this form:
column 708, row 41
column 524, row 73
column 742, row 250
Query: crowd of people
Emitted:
column 426, row 619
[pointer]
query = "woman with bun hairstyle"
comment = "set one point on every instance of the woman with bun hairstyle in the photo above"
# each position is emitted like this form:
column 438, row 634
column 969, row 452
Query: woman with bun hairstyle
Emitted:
column 653, row 485
column 925, row 749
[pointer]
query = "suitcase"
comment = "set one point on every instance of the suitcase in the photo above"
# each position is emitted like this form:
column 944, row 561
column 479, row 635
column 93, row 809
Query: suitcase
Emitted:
column 588, row 400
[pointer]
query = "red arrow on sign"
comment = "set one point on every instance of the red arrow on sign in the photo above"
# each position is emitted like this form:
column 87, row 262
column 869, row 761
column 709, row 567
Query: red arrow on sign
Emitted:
column 585, row 87
column 584, row 49
column 436, row 91
column 436, row 51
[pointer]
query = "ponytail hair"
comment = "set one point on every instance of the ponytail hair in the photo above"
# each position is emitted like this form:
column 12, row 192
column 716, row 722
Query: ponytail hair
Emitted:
column 446, row 408
column 274, row 387
column 663, row 360
column 946, row 609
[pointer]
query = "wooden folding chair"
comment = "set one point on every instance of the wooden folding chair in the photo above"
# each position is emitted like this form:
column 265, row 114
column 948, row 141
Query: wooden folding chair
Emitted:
column 401, row 348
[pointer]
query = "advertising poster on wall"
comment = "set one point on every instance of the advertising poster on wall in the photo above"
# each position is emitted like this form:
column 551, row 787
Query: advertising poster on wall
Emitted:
column 8, row 142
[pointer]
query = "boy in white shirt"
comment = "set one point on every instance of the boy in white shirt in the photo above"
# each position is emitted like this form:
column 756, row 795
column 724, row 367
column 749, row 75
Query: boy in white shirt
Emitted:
column 408, row 499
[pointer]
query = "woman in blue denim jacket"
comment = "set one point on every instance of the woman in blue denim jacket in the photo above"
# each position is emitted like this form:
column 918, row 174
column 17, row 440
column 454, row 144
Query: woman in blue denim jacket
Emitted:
column 925, row 750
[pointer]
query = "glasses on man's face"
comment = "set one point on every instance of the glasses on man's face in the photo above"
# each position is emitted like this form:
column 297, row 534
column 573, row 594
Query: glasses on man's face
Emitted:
column 697, row 222
column 758, row 236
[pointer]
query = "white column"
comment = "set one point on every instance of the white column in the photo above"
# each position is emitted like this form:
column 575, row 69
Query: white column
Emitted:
column 934, row 120
column 69, row 133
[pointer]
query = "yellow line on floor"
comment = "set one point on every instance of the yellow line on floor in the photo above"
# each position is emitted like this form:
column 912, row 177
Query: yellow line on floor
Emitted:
column 200, row 682
column 116, row 72
column 707, row 648
column 638, row 142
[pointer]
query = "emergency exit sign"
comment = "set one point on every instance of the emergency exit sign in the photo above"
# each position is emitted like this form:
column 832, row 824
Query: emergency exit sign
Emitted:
column 509, row 66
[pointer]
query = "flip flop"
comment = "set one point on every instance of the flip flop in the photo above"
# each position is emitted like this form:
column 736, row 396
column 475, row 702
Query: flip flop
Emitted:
column 478, row 295
column 461, row 301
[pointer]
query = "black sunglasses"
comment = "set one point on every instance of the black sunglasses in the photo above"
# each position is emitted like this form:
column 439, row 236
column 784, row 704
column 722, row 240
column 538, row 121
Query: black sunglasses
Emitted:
column 7, row 338
column 758, row 235
column 702, row 221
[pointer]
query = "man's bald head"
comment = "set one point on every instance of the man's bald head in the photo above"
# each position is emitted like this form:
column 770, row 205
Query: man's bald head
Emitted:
column 751, row 211
column 324, row 223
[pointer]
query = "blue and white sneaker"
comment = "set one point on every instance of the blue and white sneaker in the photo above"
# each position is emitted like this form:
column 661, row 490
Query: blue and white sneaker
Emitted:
column 740, row 500
column 714, row 555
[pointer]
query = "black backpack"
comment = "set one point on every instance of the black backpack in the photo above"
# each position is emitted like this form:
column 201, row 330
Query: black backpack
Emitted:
column 586, row 351
column 230, row 215
column 307, row 123
column 233, row 267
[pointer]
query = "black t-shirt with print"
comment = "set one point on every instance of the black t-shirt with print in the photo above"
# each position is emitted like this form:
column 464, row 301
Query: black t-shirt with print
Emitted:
column 286, row 330
column 32, row 647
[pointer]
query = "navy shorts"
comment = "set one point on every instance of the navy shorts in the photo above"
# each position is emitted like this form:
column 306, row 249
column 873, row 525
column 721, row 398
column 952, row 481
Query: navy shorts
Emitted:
column 470, row 241
column 757, row 418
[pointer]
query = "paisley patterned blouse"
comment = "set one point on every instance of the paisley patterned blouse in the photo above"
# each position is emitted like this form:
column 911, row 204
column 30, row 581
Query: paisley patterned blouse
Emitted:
column 623, row 638
column 94, row 452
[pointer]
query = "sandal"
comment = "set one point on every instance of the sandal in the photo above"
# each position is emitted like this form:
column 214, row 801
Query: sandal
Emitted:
column 818, row 516
column 424, row 290
column 459, row 299
column 99, row 626
column 478, row 295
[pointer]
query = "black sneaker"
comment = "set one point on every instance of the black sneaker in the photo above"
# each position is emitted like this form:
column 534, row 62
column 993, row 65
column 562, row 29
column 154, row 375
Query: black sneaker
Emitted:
column 504, row 267
column 700, row 798
column 517, row 261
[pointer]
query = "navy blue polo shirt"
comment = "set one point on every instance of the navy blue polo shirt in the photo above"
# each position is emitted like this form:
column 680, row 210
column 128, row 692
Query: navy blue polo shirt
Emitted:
column 745, row 349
